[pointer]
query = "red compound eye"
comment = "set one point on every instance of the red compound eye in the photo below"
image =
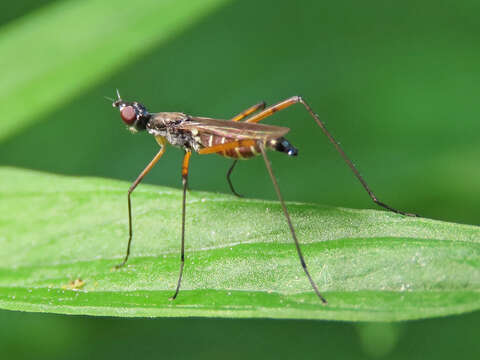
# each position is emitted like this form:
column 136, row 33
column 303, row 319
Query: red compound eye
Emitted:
column 128, row 115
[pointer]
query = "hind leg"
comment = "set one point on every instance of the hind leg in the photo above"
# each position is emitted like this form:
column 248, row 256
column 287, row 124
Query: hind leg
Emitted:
column 297, row 99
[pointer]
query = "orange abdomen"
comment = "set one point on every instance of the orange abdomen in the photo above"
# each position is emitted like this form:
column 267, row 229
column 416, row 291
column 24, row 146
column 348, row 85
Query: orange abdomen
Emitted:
column 241, row 152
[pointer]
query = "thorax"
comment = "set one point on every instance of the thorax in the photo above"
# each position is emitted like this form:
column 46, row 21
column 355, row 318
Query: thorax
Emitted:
column 168, row 126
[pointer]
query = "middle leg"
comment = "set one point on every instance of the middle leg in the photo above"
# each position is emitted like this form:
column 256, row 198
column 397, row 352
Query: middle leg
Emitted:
column 229, row 172
column 185, row 164
column 239, row 117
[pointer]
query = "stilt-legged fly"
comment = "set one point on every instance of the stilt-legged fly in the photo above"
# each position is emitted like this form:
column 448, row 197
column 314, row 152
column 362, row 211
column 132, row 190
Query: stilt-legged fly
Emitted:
column 229, row 138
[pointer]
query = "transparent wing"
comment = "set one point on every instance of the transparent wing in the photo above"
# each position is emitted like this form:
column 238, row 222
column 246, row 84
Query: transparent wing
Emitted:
column 233, row 129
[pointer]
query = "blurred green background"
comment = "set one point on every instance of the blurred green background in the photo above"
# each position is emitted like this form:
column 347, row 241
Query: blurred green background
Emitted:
column 396, row 82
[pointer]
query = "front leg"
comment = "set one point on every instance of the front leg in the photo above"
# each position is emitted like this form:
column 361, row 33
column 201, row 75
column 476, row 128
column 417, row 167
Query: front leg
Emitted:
column 130, row 190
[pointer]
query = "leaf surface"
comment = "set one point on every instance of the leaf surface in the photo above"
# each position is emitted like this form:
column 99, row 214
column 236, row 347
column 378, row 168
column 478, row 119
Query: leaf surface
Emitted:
column 240, row 260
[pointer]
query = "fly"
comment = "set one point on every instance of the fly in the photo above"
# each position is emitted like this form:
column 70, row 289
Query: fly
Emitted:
column 232, row 138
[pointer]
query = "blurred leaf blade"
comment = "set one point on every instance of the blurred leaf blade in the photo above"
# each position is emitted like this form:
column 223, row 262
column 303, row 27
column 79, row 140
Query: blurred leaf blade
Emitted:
column 371, row 265
column 61, row 50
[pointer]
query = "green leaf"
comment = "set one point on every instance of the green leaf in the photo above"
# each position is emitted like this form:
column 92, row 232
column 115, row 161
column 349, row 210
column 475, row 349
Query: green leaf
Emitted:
column 58, row 52
column 240, row 260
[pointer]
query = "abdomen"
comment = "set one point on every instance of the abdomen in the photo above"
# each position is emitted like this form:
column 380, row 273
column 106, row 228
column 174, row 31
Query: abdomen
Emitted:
column 246, row 152
column 241, row 152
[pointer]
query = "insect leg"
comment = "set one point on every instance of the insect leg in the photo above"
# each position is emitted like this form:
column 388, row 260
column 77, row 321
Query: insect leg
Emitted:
column 297, row 99
column 224, row 147
column 227, row 146
column 273, row 109
column 186, row 161
column 229, row 172
column 239, row 117
column 249, row 111
column 289, row 221
column 130, row 190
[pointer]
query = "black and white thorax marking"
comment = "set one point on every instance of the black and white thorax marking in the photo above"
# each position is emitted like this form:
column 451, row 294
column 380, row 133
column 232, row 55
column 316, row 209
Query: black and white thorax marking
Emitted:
column 169, row 126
